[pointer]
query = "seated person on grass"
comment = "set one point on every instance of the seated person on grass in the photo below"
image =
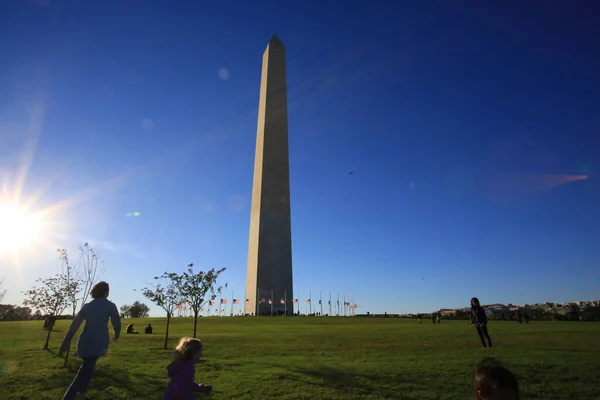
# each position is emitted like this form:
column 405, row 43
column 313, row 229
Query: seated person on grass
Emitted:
column 130, row 330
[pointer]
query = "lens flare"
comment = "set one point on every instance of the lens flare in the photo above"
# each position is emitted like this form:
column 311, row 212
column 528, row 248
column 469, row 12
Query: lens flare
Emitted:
column 19, row 228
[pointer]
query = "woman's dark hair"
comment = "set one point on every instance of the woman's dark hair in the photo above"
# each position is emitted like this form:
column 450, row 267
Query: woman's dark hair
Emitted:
column 100, row 290
column 494, row 382
column 476, row 300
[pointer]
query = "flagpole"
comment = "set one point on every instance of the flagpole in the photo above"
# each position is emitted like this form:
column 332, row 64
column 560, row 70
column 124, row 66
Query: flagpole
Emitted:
column 344, row 304
column 350, row 307
column 257, row 300
column 298, row 302
column 244, row 304
column 321, row 302
column 232, row 301
column 330, row 312
column 338, row 304
column 271, row 303
column 310, row 304
column 285, row 304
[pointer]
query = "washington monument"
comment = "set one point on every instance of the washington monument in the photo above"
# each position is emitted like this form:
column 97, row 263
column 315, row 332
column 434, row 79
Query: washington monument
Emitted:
column 269, row 277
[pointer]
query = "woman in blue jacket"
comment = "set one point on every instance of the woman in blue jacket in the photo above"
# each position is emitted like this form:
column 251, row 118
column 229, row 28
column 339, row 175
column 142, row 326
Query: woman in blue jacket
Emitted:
column 93, row 341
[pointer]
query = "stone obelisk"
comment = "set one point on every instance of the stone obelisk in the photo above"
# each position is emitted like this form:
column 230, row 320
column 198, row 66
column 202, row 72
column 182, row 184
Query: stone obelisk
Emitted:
column 269, row 277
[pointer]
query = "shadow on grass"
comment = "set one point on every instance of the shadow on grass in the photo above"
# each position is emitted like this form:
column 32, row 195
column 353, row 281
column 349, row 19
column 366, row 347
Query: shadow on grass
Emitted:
column 355, row 385
column 115, row 382
column 216, row 367
column 565, row 350
column 50, row 351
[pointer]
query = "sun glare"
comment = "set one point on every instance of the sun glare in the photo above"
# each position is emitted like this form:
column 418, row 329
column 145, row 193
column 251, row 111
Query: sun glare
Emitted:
column 18, row 228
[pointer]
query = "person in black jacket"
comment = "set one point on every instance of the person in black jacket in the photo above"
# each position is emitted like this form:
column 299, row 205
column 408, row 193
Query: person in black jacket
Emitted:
column 479, row 321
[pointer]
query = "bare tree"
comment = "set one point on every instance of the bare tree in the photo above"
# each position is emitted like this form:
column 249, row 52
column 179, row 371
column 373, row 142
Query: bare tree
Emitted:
column 198, row 288
column 88, row 269
column 80, row 276
column 71, row 275
column 165, row 295
column 2, row 292
column 52, row 297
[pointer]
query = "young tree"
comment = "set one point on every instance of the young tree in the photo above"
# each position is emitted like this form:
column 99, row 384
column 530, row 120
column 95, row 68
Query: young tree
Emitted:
column 166, row 296
column 88, row 269
column 80, row 277
column 52, row 297
column 198, row 288
column 70, row 273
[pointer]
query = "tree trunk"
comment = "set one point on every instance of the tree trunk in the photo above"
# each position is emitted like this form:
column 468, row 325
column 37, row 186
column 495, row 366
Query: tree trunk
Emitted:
column 67, row 356
column 195, row 321
column 167, row 332
column 48, row 338
column 69, row 349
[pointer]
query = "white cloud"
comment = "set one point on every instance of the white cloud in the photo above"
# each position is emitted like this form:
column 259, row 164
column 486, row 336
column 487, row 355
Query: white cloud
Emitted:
column 115, row 248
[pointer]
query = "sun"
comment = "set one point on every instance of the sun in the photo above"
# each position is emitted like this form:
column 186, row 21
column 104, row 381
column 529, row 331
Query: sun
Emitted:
column 19, row 228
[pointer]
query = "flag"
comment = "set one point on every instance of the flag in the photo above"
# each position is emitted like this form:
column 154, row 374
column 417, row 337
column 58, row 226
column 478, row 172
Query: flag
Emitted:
column 338, row 302
column 270, row 301
column 236, row 301
column 295, row 301
column 247, row 300
column 308, row 301
column 262, row 299
column 282, row 301
column 212, row 303
column 329, row 302
column 223, row 301
column 319, row 301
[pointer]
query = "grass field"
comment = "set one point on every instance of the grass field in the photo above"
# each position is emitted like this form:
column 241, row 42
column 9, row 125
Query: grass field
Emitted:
column 315, row 358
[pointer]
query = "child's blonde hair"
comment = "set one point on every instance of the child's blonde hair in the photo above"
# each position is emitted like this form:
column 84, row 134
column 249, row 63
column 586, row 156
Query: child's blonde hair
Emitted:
column 187, row 348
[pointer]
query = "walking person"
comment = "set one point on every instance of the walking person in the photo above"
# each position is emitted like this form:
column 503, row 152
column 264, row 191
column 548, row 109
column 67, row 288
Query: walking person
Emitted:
column 479, row 321
column 93, row 341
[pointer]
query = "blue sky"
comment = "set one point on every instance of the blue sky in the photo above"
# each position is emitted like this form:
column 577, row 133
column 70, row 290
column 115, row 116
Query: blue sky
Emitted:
column 470, row 130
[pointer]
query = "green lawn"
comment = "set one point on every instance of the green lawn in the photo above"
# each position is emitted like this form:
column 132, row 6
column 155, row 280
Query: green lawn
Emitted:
column 316, row 358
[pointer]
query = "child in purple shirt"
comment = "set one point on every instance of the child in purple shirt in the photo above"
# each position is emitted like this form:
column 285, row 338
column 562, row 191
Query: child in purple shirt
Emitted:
column 182, row 371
